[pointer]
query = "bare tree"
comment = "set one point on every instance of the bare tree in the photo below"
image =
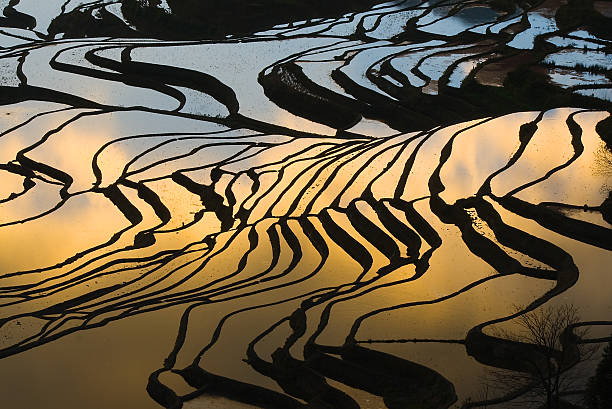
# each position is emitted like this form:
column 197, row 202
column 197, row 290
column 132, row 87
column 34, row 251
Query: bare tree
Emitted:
column 553, row 339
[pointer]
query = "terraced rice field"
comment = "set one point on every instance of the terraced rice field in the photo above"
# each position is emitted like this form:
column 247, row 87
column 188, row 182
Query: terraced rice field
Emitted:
column 350, row 211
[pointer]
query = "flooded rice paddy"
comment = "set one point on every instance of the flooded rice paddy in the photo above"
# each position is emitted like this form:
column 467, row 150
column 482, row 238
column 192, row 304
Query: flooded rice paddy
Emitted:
column 349, row 211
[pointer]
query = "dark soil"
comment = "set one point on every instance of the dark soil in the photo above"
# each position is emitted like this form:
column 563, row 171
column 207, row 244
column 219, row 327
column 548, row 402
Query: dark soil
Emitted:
column 215, row 19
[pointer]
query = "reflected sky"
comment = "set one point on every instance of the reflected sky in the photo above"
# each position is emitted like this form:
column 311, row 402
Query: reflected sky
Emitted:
column 479, row 148
column 165, row 212
column 539, row 24
column 586, row 58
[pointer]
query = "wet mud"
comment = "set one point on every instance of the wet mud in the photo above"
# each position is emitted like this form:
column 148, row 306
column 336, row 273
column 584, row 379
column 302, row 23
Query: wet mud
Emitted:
column 335, row 212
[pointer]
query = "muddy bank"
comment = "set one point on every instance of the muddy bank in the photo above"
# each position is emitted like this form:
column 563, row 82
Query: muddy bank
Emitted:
column 208, row 19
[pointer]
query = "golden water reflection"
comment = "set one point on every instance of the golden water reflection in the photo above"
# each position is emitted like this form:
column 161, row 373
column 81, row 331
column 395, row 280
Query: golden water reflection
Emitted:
column 286, row 190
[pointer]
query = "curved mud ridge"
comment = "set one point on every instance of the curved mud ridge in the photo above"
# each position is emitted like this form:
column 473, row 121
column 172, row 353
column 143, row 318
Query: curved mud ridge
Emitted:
column 343, row 210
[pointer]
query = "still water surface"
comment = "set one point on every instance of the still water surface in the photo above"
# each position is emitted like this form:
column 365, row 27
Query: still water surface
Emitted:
column 162, row 206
